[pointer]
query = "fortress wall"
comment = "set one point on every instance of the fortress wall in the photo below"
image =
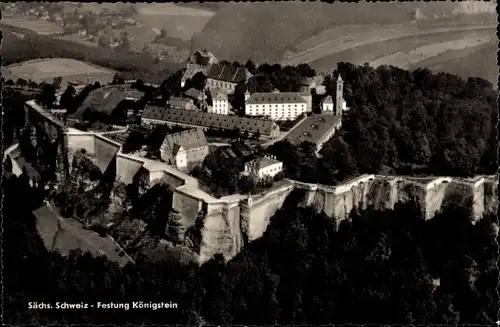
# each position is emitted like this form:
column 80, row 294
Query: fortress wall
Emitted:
column 126, row 168
column 221, row 231
column 187, row 205
column 37, row 116
column 167, row 178
column 490, row 188
column 80, row 141
column 262, row 208
column 437, row 192
column 105, row 150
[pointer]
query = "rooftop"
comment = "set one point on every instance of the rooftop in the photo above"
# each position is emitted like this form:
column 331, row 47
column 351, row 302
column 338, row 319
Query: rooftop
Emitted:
column 327, row 99
column 228, row 73
column 271, row 97
column 195, row 94
column 106, row 99
column 218, row 94
column 177, row 102
column 209, row 120
column 202, row 57
column 312, row 129
column 262, row 163
column 189, row 139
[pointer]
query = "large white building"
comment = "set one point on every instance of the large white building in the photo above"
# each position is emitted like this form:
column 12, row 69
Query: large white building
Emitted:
column 263, row 167
column 277, row 106
column 340, row 105
column 220, row 103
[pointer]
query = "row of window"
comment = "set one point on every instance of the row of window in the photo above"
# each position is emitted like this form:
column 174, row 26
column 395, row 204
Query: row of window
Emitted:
column 275, row 105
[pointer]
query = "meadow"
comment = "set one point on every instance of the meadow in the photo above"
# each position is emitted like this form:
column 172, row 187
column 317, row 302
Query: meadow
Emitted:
column 405, row 59
column 399, row 32
column 38, row 26
column 69, row 69
column 177, row 21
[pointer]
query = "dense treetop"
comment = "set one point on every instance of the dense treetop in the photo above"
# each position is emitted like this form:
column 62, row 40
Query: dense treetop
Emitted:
column 385, row 267
column 404, row 122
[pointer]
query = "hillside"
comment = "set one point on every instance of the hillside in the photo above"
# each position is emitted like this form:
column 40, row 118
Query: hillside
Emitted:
column 19, row 45
column 233, row 33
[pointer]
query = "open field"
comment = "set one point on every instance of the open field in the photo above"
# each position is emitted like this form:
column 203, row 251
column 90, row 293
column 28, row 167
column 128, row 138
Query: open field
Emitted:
column 77, row 39
column 34, row 46
column 233, row 33
column 346, row 31
column 478, row 61
column 38, row 26
column 180, row 22
column 405, row 59
column 94, row 7
column 372, row 51
column 377, row 36
column 171, row 9
column 69, row 69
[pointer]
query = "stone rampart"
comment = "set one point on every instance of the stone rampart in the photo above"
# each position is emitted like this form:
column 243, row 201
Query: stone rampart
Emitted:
column 228, row 221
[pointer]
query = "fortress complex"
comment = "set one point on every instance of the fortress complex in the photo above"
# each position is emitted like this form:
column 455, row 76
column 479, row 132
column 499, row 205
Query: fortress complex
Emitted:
column 229, row 222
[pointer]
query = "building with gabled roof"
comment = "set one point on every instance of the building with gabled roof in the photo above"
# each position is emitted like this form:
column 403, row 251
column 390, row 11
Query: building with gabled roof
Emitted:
column 220, row 102
column 263, row 167
column 205, row 120
column 106, row 101
column 199, row 62
column 277, row 106
column 184, row 149
column 226, row 77
column 195, row 94
column 201, row 57
column 181, row 103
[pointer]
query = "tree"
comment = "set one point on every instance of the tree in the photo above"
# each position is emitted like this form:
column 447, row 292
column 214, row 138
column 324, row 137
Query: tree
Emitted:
column 199, row 81
column 57, row 82
column 133, row 142
column 118, row 79
column 68, row 99
column 9, row 82
column 22, row 82
column 48, row 96
column 250, row 65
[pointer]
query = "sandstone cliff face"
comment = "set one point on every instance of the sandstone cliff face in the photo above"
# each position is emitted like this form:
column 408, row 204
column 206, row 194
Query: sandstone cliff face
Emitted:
column 226, row 230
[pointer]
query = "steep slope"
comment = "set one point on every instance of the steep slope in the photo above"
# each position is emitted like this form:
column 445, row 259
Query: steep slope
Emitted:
column 262, row 31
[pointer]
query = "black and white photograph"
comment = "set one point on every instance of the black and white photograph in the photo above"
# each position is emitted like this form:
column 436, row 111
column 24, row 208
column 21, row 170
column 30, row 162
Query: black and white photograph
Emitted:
column 249, row 163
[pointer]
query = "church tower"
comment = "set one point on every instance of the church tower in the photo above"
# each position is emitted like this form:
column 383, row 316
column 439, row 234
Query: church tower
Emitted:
column 339, row 98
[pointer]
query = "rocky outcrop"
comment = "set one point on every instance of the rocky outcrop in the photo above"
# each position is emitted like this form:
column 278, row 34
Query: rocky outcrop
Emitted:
column 225, row 228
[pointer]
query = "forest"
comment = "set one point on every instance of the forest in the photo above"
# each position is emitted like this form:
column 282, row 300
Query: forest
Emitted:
column 385, row 267
column 403, row 122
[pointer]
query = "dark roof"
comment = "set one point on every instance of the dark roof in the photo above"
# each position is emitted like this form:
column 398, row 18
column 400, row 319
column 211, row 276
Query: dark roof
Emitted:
column 228, row 73
column 262, row 163
column 105, row 100
column 202, row 57
column 312, row 129
column 327, row 99
column 209, row 120
column 271, row 97
column 176, row 102
column 195, row 94
column 188, row 139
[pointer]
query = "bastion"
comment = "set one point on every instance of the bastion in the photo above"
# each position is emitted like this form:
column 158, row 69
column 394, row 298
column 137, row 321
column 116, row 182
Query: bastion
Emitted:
column 226, row 224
